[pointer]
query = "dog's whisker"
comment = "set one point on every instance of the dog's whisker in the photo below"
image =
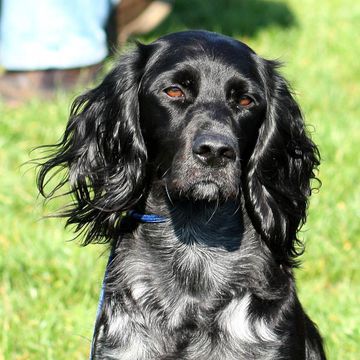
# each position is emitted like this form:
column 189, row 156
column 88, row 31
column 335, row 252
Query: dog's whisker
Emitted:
column 214, row 211
column 168, row 193
column 237, row 209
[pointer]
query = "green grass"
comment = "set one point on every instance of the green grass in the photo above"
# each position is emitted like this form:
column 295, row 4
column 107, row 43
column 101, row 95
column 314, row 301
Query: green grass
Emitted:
column 49, row 287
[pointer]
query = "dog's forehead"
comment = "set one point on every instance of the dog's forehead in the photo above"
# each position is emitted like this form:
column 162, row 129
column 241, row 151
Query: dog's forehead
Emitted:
column 202, row 39
column 201, row 48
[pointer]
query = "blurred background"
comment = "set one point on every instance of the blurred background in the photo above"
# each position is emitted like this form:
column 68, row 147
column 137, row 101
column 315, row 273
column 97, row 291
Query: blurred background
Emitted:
column 49, row 286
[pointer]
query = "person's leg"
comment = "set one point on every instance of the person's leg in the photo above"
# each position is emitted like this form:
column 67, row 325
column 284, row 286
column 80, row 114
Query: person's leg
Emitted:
column 40, row 40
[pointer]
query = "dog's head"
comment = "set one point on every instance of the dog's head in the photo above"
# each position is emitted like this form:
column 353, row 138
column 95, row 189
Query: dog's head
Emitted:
column 204, row 117
column 201, row 101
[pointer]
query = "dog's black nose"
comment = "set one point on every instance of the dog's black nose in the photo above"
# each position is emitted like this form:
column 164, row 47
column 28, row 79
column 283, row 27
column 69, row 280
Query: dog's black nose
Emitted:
column 214, row 149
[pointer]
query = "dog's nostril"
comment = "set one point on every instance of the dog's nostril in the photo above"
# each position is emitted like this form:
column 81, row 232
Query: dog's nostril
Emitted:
column 213, row 150
column 228, row 153
column 202, row 150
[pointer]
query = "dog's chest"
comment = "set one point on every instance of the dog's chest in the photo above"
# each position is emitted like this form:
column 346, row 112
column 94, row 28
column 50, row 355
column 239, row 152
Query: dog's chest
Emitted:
column 232, row 320
column 193, row 331
column 184, row 300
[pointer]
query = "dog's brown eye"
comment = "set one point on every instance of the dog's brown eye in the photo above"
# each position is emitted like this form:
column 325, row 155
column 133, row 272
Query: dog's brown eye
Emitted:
column 174, row 92
column 245, row 101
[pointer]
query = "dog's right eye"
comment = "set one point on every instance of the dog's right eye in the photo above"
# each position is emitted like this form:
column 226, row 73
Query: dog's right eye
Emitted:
column 174, row 92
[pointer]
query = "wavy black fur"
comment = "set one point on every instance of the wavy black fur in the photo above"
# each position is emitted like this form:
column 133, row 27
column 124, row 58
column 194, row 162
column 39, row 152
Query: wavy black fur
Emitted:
column 197, row 128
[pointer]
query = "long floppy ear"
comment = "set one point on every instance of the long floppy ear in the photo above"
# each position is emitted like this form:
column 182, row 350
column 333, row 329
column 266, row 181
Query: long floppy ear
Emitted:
column 280, row 170
column 102, row 152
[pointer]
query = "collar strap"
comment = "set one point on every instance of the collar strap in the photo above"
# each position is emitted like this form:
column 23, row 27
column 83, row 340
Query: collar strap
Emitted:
column 146, row 218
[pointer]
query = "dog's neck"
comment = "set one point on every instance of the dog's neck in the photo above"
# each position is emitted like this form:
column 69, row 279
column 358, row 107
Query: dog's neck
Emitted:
column 187, row 249
column 202, row 251
column 211, row 224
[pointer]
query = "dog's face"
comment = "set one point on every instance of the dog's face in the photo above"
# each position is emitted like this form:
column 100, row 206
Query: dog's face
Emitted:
column 204, row 117
column 201, row 104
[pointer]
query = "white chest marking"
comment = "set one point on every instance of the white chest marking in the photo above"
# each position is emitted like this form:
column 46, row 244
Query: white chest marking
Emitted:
column 235, row 320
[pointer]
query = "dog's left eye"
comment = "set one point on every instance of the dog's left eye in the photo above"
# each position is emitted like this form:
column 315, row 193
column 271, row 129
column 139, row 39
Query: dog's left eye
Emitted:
column 174, row 92
column 246, row 101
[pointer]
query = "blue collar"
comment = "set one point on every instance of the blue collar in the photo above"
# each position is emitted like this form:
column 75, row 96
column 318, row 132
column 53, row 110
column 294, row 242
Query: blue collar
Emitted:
column 146, row 218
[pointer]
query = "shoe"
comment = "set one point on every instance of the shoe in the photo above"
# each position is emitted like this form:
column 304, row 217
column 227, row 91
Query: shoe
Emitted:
column 18, row 87
column 139, row 17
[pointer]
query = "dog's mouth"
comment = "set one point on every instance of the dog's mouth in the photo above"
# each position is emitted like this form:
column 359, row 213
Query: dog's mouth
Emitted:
column 206, row 190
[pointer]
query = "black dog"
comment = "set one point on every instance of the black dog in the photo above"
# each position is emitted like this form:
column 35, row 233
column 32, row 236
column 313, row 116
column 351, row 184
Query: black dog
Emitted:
column 197, row 129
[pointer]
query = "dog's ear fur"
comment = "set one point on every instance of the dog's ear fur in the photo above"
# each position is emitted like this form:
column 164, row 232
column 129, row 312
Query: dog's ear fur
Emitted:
column 103, row 152
column 280, row 170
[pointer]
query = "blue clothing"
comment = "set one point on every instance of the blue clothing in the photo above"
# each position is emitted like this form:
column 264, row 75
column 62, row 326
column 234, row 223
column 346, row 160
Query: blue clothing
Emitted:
column 53, row 34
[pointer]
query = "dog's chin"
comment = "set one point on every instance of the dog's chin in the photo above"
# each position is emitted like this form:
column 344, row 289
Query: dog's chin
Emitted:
column 210, row 190
column 207, row 191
